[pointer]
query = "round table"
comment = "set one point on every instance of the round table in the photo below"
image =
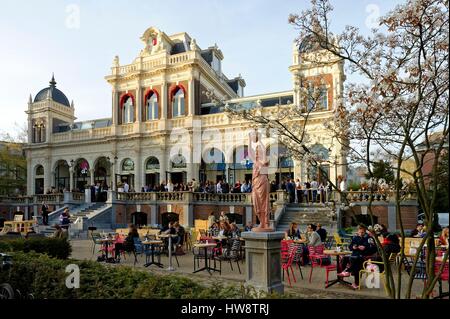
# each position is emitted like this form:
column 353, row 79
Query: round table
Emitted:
column 152, row 244
column 207, row 267
column 338, row 255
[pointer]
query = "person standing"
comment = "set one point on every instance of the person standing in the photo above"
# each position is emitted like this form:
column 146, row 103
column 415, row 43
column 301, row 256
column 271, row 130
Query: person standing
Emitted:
column 291, row 190
column 307, row 192
column 225, row 187
column 126, row 187
column 314, row 186
column 298, row 189
column 219, row 187
column 44, row 210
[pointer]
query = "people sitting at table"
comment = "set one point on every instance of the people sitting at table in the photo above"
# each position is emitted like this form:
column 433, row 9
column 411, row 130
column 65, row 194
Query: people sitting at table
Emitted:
column 293, row 232
column 248, row 226
column 179, row 240
column 322, row 232
column 235, row 231
column 224, row 229
column 312, row 237
column 443, row 239
column 419, row 231
column 223, row 217
column 361, row 246
column 128, row 244
column 214, row 229
column 211, row 220
column 169, row 229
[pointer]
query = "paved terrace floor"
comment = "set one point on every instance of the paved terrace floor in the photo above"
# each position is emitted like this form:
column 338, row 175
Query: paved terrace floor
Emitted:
column 82, row 250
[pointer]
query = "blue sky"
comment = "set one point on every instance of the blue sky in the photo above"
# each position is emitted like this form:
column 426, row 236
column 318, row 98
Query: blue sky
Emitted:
column 40, row 37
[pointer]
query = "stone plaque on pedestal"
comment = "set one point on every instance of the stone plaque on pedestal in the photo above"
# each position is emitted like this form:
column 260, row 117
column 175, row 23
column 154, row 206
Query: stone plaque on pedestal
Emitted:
column 263, row 260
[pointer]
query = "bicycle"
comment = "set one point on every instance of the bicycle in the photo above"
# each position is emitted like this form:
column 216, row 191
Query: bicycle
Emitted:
column 6, row 290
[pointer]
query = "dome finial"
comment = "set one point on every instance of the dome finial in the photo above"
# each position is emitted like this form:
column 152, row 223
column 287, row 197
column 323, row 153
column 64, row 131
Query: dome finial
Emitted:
column 53, row 82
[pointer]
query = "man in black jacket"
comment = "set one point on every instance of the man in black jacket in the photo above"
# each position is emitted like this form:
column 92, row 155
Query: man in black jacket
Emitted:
column 362, row 246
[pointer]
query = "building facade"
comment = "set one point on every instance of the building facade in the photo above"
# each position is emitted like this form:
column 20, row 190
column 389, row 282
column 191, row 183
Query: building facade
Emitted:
column 168, row 123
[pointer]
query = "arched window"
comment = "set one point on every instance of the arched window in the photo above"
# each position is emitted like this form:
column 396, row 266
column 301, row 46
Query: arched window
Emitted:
column 127, row 110
column 152, row 164
column 178, row 102
column 40, row 170
column 152, row 106
column 128, row 165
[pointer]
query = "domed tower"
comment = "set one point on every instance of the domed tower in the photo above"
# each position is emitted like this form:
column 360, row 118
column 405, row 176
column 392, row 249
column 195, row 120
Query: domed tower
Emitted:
column 49, row 112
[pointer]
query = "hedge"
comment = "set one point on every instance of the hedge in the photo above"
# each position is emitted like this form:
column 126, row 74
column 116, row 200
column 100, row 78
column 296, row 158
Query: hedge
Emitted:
column 54, row 247
column 45, row 277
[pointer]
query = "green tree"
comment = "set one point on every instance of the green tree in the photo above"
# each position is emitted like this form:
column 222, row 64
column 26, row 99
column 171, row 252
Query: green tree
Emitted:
column 382, row 169
column 13, row 168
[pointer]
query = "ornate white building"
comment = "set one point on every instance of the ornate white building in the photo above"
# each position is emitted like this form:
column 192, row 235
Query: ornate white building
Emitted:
column 165, row 124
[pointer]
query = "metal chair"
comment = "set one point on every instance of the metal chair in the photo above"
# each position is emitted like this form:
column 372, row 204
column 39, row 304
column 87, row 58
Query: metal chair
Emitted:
column 231, row 255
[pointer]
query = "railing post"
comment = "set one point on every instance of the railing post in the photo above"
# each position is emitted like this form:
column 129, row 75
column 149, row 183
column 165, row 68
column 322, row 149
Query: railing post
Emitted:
column 112, row 197
column 68, row 197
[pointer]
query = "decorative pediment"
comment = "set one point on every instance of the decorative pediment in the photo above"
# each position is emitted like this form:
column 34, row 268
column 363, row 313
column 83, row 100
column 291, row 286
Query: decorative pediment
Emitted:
column 155, row 41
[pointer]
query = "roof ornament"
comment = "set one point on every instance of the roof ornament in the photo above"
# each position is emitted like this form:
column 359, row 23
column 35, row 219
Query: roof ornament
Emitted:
column 194, row 46
column 116, row 62
column 53, row 82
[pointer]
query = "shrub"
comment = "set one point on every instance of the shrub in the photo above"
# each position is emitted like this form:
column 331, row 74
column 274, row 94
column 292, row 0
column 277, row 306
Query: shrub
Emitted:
column 45, row 277
column 54, row 247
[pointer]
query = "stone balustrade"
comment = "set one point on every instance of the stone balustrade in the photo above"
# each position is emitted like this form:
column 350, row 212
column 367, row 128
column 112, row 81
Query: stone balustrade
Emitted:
column 186, row 197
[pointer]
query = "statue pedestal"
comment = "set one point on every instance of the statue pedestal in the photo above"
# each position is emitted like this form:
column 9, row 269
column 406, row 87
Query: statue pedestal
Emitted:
column 263, row 260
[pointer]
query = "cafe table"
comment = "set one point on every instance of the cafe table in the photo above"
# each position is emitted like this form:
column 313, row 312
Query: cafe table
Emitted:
column 152, row 244
column 207, row 267
column 338, row 255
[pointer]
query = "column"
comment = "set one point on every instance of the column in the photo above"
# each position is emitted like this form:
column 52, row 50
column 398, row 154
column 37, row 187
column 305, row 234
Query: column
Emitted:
column 47, row 175
column 138, row 170
column 115, row 108
column 163, row 98
column 113, row 175
column 92, row 171
column 30, row 130
column 71, row 179
column 115, row 102
column 30, row 177
column 163, row 167
column 137, row 124
column 52, row 182
column 191, row 96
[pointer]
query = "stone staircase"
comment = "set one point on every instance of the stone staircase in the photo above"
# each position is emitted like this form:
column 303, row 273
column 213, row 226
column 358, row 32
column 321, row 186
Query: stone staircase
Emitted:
column 75, row 213
column 304, row 214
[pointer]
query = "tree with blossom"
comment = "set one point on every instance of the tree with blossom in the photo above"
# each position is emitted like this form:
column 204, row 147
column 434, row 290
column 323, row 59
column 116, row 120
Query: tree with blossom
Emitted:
column 399, row 111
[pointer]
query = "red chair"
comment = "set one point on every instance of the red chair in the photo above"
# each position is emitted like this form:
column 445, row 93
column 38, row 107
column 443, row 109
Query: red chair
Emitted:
column 316, row 256
column 444, row 276
column 287, row 264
